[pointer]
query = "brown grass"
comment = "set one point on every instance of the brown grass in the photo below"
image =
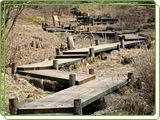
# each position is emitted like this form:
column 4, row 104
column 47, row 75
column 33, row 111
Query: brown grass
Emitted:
column 145, row 68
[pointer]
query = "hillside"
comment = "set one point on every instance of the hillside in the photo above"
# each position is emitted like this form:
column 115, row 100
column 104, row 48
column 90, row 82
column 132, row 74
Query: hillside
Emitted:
column 28, row 28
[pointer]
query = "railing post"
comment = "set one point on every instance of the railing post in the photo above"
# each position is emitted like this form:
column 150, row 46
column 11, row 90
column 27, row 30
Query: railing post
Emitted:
column 62, row 27
column 57, row 51
column 97, row 42
column 72, row 79
column 122, row 42
column 115, row 36
column 13, row 106
column 55, row 64
column 70, row 26
column 130, row 76
column 77, row 107
column 14, row 66
column 91, row 71
column 91, row 51
column 88, row 29
column 118, row 47
column 92, row 21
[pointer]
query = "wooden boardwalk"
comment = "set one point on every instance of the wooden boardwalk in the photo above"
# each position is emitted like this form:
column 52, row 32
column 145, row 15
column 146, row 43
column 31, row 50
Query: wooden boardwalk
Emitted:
column 130, row 37
column 62, row 102
column 48, row 64
column 59, row 76
column 111, row 33
column 73, row 56
column 102, row 48
column 87, row 87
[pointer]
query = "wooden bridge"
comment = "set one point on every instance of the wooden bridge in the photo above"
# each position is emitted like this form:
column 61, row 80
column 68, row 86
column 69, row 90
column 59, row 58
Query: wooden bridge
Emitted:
column 84, row 88
column 63, row 102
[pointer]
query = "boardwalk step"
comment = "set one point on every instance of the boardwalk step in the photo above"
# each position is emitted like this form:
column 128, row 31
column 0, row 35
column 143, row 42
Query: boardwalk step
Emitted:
column 59, row 76
column 48, row 64
column 72, row 56
column 75, row 52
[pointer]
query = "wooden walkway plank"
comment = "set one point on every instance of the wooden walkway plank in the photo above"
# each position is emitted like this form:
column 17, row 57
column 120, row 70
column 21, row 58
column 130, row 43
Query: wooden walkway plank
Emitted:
column 71, row 56
column 48, row 64
column 63, row 100
column 78, row 52
column 129, row 37
column 59, row 76
column 104, row 47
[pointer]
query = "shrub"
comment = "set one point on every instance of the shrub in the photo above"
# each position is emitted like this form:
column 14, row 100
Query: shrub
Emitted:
column 145, row 68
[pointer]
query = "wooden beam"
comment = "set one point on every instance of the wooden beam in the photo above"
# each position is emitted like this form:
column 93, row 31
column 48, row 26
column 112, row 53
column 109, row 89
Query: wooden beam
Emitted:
column 77, row 107
column 45, row 110
column 13, row 106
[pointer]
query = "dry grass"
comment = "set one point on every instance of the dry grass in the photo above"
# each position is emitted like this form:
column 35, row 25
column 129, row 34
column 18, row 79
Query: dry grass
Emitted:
column 145, row 68
column 17, row 89
column 132, row 100
column 29, row 26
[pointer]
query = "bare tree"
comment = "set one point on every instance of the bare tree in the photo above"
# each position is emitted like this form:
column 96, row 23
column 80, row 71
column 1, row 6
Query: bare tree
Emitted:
column 7, row 10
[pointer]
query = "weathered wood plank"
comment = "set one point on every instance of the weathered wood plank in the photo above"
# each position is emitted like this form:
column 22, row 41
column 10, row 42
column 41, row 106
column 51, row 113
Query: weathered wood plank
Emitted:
column 48, row 64
column 71, row 56
column 63, row 100
column 104, row 47
column 59, row 76
column 133, row 37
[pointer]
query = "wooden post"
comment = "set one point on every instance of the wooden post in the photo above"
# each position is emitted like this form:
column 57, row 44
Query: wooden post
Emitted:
column 13, row 106
column 33, row 44
column 88, row 29
column 57, row 51
column 77, row 107
column 122, row 42
column 14, row 66
column 91, row 51
column 54, row 22
column 91, row 71
column 97, row 42
column 118, row 47
column 115, row 36
column 92, row 21
column 138, row 30
column 74, row 30
column 89, row 19
column 62, row 27
column 130, row 76
column 55, row 64
column 43, row 25
column 59, row 21
column 70, row 26
column 72, row 79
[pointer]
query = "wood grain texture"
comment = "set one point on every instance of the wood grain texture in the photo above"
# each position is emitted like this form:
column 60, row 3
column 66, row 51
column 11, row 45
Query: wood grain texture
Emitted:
column 48, row 64
column 59, row 76
column 63, row 100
